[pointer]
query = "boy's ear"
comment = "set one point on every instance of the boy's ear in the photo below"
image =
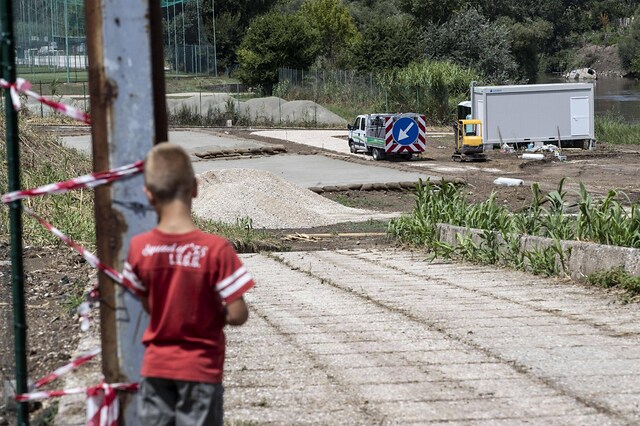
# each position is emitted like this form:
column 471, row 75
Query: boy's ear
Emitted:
column 194, row 190
column 149, row 195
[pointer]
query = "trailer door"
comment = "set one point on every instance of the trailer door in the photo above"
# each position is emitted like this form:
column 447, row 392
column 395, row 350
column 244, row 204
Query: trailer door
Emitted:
column 580, row 110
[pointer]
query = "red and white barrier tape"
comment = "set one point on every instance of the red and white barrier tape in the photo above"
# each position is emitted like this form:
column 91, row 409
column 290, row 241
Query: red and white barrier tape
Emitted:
column 67, row 368
column 89, row 257
column 23, row 86
column 87, row 181
column 102, row 401
column 40, row 395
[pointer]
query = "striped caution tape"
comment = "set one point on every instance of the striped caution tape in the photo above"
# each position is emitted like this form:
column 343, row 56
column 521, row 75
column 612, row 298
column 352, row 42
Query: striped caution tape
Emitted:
column 87, row 181
column 67, row 368
column 88, row 256
column 23, row 86
column 102, row 401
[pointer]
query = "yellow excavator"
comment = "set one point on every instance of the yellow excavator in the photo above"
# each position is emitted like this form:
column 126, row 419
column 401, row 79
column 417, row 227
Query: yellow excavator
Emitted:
column 469, row 147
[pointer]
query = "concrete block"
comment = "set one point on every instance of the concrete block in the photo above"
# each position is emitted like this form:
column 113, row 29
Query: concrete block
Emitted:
column 581, row 258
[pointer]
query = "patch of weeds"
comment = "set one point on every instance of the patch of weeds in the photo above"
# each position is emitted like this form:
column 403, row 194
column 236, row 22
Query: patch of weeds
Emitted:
column 616, row 278
column 345, row 201
column 543, row 261
column 241, row 235
column 47, row 416
column 74, row 296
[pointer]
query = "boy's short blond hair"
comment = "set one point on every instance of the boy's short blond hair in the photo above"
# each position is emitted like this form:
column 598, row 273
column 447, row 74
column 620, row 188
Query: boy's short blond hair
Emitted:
column 168, row 173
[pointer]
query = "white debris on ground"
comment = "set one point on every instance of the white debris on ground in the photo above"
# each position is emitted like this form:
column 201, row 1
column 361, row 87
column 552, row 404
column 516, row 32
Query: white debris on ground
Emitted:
column 270, row 202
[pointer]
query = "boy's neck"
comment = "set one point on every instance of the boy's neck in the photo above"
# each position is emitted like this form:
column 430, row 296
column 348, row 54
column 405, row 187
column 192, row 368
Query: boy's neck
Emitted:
column 175, row 218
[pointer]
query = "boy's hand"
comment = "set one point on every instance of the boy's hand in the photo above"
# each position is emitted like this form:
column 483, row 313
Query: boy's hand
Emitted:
column 236, row 312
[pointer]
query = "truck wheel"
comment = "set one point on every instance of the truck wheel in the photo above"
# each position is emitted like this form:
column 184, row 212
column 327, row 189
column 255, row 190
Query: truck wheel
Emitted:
column 352, row 147
column 377, row 154
column 407, row 156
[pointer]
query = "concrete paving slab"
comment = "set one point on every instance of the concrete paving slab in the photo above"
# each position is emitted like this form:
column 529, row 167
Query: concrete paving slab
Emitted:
column 192, row 141
column 332, row 140
column 539, row 368
column 304, row 170
column 315, row 170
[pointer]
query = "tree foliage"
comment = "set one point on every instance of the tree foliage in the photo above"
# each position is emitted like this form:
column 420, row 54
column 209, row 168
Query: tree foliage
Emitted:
column 335, row 26
column 470, row 40
column 275, row 40
column 629, row 48
column 387, row 43
column 527, row 39
column 232, row 19
column 430, row 12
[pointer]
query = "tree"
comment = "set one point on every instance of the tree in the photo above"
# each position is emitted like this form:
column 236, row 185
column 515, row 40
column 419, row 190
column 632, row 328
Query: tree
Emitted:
column 334, row 24
column 470, row 40
column 387, row 43
column 527, row 39
column 431, row 12
column 275, row 40
column 232, row 19
column 629, row 48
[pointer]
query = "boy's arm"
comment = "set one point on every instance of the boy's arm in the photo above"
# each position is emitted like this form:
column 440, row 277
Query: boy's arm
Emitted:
column 236, row 312
column 145, row 304
column 233, row 280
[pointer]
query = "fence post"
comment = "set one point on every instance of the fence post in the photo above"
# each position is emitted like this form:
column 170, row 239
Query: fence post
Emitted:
column 128, row 116
column 15, row 211
column 41, row 106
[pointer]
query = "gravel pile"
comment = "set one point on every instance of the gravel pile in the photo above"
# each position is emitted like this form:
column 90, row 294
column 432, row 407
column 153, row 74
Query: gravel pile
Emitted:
column 270, row 201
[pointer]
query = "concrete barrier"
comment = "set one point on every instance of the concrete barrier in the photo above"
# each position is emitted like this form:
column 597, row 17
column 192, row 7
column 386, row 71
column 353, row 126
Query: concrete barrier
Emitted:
column 581, row 258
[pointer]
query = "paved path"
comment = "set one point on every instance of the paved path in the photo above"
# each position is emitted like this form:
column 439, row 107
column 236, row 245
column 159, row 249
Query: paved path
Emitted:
column 303, row 170
column 383, row 337
column 332, row 140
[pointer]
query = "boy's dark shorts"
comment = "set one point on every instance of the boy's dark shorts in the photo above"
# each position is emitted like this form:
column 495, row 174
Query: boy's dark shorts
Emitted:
column 177, row 402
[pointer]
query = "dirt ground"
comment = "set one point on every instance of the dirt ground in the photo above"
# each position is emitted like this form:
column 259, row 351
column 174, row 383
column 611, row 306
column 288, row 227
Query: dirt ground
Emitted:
column 54, row 281
column 56, row 277
column 601, row 170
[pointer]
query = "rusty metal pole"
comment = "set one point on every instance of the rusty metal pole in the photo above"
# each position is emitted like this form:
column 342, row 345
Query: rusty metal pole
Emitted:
column 129, row 116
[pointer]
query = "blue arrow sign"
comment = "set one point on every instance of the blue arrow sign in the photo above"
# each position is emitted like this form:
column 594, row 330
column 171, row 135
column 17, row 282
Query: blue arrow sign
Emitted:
column 405, row 131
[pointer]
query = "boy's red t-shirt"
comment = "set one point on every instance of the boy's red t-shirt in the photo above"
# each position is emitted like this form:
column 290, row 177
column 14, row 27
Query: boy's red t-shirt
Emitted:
column 187, row 279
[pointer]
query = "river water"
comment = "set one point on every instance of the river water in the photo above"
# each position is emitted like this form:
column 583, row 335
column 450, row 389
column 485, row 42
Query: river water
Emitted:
column 619, row 97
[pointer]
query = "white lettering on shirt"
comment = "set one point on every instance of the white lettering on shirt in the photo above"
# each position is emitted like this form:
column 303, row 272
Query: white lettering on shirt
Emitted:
column 187, row 255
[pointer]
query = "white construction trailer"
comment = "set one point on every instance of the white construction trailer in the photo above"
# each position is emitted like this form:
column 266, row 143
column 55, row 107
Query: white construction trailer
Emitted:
column 533, row 113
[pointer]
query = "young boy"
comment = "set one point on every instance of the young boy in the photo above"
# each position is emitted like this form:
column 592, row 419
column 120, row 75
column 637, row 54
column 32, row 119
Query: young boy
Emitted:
column 191, row 283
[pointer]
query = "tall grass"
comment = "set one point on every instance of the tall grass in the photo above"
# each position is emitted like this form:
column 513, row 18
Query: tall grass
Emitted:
column 614, row 130
column 607, row 221
column 44, row 160
column 430, row 87
column 433, row 88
